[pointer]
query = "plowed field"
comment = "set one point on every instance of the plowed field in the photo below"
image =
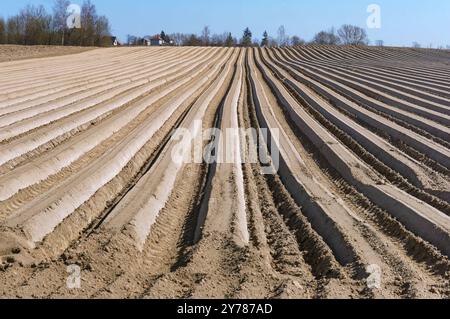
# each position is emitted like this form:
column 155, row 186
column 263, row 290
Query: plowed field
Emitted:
column 357, row 206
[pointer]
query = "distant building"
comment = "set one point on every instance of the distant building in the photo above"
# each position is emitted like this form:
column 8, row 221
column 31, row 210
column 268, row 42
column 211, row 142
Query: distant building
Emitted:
column 152, row 41
column 110, row 41
column 146, row 41
column 155, row 40
column 115, row 42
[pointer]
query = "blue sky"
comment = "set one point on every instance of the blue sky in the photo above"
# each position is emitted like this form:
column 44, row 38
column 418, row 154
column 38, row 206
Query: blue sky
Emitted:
column 403, row 21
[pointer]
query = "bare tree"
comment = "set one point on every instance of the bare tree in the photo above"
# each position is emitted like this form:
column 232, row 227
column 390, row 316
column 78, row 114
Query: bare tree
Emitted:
column 102, row 31
column 178, row 38
column 206, row 34
column 192, row 40
column 216, row 40
column 95, row 29
column 379, row 43
column 282, row 38
column 2, row 31
column 13, row 30
column 88, row 19
column 272, row 42
column 327, row 37
column 35, row 24
column 60, row 18
column 220, row 40
column 353, row 35
column 296, row 40
column 131, row 39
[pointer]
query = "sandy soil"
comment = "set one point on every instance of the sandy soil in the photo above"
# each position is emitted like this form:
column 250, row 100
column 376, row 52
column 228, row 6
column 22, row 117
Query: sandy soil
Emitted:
column 92, row 204
column 19, row 52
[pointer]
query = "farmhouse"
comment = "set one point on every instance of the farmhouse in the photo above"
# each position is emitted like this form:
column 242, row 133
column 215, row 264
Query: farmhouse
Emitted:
column 110, row 41
column 157, row 40
column 114, row 41
column 153, row 41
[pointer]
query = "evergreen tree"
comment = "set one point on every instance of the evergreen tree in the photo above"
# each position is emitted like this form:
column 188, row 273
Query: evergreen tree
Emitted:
column 229, row 42
column 265, row 40
column 246, row 40
column 165, row 37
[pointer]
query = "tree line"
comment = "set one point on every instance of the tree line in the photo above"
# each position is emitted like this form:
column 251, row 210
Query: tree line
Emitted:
column 347, row 34
column 33, row 25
